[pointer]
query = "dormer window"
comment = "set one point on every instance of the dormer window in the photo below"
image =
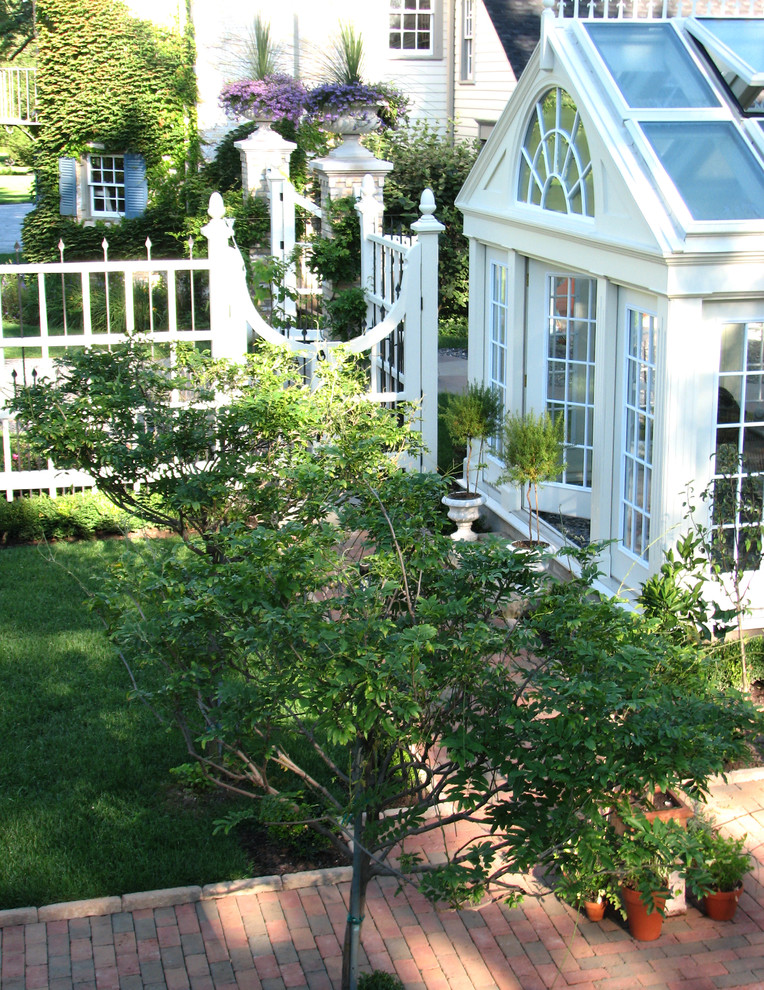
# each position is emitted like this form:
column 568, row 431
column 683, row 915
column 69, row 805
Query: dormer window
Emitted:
column 555, row 164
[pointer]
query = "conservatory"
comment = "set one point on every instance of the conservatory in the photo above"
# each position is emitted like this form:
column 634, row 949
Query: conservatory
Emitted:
column 616, row 227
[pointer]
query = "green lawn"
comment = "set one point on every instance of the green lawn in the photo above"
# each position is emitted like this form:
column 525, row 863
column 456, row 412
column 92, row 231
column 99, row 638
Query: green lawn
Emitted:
column 16, row 188
column 87, row 805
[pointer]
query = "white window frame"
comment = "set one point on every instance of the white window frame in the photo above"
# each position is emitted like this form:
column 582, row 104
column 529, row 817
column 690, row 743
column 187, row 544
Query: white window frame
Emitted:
column 498, row 331
column 397, row 9
column 559, row 160
column 570, row 368
column 750, row 378
column 467, row 70
column 637, row 452
column 107, row 167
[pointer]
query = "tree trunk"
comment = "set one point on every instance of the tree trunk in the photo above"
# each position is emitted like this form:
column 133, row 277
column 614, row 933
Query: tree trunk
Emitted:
column 356, row 908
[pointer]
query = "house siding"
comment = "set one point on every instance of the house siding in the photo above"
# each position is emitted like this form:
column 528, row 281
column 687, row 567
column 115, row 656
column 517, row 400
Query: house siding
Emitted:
column 483, row 99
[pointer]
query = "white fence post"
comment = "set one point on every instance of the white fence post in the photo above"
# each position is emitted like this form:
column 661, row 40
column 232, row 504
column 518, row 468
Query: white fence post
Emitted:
column 422, row 347
column 229, row 328
column 283, row 237
column 370, row 211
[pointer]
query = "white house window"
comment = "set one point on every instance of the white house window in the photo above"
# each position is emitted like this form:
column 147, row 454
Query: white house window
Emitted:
column 639, row 408
column 740, row 434
column 498, row 308
column 106, row 184
column 468, row 38
column 104, row 187
column 555, row 163
column 411, row 26
column 571, row 324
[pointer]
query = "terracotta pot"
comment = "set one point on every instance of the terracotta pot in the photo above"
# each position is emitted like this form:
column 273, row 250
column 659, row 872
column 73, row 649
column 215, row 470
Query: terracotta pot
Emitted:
column 595, row 910
column 643, row 926
column 722, row 904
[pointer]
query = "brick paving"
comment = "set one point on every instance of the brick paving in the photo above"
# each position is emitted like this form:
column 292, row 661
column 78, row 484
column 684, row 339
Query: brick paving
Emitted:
column 277, row 933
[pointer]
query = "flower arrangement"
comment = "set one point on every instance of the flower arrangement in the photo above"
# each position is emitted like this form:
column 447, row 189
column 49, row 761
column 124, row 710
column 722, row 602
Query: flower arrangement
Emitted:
column 276, row 97
column 380, row 102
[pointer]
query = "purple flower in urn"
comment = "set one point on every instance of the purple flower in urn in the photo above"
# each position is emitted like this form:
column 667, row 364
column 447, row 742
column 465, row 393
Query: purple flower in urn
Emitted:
column 276, row 97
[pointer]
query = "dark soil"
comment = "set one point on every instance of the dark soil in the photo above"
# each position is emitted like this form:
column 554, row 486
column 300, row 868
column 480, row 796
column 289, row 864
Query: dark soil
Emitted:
column 271, row 857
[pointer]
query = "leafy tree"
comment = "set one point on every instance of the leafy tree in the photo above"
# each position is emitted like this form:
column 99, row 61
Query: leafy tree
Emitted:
column 17, row 29
column 328, row 652
column 425, row 158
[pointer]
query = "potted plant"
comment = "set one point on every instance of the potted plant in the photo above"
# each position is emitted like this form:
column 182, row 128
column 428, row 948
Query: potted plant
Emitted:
column 531, row 449
column 587, row 886
column 273, row 98
column 646, row 855
column 472, row 418
column 716, row 875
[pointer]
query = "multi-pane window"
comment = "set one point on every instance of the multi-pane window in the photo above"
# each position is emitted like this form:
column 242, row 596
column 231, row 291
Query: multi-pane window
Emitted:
column 571, row 325
column 106, row 181
column 639, row 415
column 498, row 308
column 555, row 163
column 468, row 38
column 739, row 485
column 411, row 26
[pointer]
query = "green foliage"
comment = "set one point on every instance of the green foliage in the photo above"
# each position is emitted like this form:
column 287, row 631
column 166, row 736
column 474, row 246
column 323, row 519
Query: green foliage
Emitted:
column 474, row 415
column 450, row 454
column 378, row 979
column 722, row 861
column 346, row 313
column 732, row 535
column 262, row 56
column 82, row 516
column 107, row 77
column 344, row 61
column 424, row 157
column 337, row 258
column 453, row 332
column 532, row 448
column 675, row 596
column 17, row 30
column 328, row 651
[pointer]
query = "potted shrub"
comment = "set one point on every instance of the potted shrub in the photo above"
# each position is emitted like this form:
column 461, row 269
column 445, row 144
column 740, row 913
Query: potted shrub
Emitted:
column 531, row 449
column 646, row 855
column 472, row 418
column 716, row 875
column 587, row 886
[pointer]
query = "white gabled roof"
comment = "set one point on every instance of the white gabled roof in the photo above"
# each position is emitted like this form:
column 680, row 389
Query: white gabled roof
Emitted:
column 673, row 110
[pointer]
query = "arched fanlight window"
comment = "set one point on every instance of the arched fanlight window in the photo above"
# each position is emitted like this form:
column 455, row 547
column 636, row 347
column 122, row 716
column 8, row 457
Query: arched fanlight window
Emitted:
column 555, row 164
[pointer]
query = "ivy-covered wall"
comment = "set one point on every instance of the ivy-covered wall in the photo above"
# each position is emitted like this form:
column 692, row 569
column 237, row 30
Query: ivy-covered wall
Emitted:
column 106, row 77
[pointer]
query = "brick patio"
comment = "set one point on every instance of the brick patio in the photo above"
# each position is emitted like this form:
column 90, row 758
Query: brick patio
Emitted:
column 287, row 932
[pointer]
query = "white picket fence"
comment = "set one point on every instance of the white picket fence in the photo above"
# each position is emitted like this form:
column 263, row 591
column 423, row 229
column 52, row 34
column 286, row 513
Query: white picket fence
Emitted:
column 48, row 309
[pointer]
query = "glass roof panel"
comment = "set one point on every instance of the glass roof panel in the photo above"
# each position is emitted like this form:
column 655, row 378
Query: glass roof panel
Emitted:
column 650, row 65
column 736, row 46
column 742, row 36
column 714, row 170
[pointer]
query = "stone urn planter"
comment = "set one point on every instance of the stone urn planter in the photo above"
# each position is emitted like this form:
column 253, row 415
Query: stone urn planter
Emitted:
column 463, row 510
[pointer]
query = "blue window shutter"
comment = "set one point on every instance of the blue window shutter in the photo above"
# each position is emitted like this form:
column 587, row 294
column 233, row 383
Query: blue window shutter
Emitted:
column 67, row 187
column 136, row 187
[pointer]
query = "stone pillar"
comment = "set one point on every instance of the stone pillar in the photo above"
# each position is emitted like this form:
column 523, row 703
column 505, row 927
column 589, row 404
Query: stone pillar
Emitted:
column 262, row 151
column 342, row 171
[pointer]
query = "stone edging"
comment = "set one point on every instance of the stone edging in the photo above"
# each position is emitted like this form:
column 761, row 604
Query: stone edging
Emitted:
column 212, row 891
column 171, row 896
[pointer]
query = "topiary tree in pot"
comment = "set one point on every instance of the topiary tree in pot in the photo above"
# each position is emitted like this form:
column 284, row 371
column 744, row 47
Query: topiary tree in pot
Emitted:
column 473, row 417
column 532, row 448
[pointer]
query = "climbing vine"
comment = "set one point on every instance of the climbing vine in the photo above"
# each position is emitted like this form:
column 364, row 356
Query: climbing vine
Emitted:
column 108, row 78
